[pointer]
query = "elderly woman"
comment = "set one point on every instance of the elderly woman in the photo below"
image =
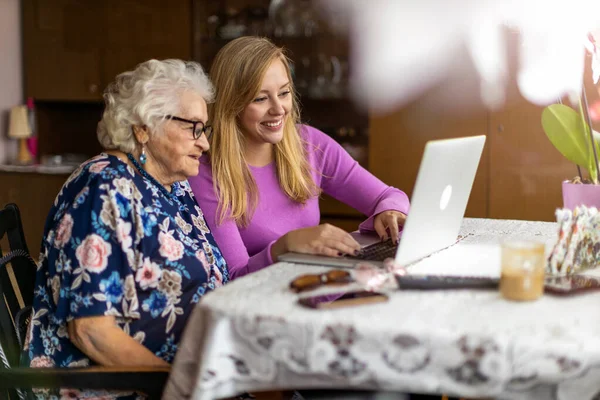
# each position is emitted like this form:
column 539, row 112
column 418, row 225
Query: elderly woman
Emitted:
column 126, row 252
column 267, row 170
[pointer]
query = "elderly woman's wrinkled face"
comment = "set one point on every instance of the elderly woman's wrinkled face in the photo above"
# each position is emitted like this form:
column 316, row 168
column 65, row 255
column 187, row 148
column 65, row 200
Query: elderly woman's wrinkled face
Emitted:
column 262, row 120
column 175, row 150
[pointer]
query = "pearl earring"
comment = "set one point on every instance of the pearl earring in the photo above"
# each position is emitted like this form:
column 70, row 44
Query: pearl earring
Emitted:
column 143, row 157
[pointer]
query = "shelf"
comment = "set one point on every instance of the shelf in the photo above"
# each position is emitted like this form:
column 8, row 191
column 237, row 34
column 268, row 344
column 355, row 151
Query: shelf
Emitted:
column 38, row 169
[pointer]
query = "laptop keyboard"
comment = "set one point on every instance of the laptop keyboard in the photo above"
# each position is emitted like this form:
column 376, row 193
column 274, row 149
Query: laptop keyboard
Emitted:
column 377, row 251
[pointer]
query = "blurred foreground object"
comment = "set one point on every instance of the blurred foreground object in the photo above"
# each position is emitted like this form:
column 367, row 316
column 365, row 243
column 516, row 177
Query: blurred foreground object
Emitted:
column 578, row 244
column 522, row 274
column 401, row 48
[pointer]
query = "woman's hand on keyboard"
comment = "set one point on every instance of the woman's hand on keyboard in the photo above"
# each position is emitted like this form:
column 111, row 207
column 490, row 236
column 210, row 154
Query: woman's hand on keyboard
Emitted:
column 389, row 221
column 324, row 239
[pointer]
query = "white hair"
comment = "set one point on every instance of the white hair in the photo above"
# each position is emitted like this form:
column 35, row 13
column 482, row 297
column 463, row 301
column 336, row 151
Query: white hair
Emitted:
column 144, row 96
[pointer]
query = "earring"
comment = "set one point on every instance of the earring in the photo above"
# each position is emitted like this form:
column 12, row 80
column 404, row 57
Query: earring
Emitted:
column 143, row 157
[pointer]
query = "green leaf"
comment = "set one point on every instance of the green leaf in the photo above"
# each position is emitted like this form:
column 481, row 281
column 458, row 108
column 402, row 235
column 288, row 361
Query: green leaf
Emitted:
column 568, row 133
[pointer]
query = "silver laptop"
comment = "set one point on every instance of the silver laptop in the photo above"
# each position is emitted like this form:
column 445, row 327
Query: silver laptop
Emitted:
column 438, row 204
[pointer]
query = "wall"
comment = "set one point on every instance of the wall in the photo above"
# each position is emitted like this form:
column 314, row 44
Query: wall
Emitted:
column 11, row 81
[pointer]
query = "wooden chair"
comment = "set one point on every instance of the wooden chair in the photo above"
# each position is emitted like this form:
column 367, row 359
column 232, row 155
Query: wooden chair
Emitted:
column 17, row 280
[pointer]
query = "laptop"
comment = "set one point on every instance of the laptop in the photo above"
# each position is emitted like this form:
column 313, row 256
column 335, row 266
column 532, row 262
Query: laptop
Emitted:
column 438, row 205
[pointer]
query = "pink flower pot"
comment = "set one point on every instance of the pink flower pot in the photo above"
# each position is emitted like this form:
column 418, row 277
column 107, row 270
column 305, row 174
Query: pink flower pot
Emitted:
column 575, row 194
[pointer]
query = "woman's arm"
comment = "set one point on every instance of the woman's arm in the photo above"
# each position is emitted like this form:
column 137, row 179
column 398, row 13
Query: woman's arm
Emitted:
column 323, row 239
column 344, row 179
column 103, row 341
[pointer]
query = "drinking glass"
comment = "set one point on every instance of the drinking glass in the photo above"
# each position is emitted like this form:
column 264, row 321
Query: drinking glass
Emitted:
column 523, row 269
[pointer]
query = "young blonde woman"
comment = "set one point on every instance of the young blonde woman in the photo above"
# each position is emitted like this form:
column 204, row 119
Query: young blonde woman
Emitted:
column 267, row 170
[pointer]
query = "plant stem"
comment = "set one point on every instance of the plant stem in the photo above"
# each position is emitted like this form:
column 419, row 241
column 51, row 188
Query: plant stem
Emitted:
column 590, row 131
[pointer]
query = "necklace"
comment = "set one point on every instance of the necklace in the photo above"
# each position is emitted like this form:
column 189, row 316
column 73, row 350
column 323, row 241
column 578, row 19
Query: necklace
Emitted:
column 151, row 178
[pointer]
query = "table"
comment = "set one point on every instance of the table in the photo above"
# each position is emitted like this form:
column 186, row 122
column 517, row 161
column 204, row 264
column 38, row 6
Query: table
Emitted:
column 252, row 336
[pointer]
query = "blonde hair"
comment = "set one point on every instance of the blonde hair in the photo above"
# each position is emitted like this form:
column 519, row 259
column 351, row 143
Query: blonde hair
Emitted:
column 144, row 96
column 237, row 73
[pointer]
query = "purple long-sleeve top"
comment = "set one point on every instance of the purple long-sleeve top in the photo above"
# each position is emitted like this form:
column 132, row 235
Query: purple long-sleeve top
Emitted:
column 248, row 249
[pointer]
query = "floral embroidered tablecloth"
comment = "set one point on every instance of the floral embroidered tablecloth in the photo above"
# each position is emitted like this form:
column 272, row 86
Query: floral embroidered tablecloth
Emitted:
column 251, row 335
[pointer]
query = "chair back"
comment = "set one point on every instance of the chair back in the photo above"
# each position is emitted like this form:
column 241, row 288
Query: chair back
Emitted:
column 17, row 281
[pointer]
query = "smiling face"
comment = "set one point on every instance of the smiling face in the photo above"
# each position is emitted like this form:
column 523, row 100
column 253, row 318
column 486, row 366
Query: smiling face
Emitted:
column 173, row 155
column 262, row 120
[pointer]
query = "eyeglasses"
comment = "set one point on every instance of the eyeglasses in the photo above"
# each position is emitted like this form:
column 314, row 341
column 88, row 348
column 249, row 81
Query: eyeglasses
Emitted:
column 198, row 127
column 311, row 281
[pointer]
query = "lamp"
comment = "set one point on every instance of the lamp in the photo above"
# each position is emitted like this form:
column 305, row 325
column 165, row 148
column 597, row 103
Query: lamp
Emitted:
column 19, row 129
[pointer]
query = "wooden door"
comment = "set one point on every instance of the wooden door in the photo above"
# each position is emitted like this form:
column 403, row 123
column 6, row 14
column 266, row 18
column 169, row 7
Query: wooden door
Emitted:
column 61, row 49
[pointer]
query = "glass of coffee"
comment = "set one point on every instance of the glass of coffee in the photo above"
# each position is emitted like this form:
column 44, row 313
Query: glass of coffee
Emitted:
column 523, row 269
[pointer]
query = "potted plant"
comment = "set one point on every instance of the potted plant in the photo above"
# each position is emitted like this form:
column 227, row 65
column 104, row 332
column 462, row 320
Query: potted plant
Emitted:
column 572, row 134
column 569, row 131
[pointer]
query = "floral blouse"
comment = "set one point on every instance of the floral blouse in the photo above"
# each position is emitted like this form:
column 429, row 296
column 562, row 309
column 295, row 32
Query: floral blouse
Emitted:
column 116, row 244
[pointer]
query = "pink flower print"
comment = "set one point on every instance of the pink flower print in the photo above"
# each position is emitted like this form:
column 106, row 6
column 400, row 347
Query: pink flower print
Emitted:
column 79, row 363
column 93, row 253
column 202, row 258
column 170, row 248
column 218, row 276
column 124, row 234
column 66, row 394
column 41, row 362
column 94, row 159
column 98, row 167
column 63, row 233
column 55, row 288
column 148, row 275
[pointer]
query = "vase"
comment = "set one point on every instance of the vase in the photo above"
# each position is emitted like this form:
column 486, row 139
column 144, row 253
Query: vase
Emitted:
column 576, row 194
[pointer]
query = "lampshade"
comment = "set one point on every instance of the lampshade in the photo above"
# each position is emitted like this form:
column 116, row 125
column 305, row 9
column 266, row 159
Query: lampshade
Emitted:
column 19, row 126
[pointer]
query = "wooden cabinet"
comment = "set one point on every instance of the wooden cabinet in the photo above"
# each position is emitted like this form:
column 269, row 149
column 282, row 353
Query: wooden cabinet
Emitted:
column 34, row 194
column 73, row 48
column 61, row 53
column 139, row 30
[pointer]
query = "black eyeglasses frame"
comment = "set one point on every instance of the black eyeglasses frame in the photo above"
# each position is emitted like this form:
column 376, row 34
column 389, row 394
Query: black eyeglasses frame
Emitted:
column 206, row 129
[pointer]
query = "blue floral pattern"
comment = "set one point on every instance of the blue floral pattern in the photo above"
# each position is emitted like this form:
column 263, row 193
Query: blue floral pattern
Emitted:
column 115, row 245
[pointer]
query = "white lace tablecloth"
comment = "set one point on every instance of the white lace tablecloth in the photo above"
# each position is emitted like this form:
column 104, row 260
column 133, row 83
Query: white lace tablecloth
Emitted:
column 252, row 336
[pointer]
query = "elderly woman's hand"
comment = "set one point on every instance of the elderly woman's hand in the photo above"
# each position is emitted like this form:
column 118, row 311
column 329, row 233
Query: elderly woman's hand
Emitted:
column 103, row 341
column 389, row 221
